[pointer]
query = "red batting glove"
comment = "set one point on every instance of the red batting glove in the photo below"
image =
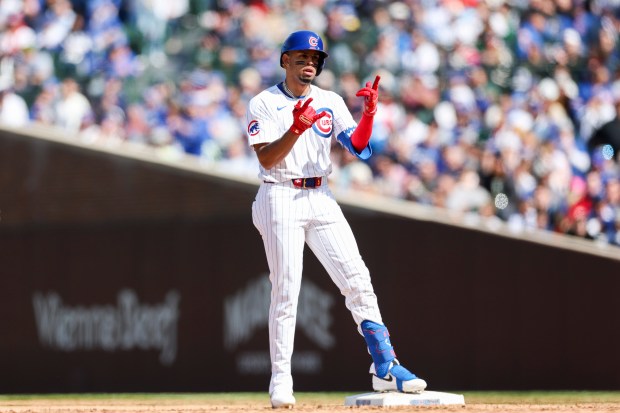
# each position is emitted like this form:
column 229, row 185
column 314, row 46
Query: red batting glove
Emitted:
column 304, row 117
column 371, row 95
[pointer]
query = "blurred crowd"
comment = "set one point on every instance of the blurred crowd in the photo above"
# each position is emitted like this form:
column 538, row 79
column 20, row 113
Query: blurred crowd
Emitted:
column 509, row 109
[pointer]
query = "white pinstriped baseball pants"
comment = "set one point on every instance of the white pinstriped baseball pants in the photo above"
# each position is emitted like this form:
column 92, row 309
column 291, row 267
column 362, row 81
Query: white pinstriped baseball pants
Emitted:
column 287, row 217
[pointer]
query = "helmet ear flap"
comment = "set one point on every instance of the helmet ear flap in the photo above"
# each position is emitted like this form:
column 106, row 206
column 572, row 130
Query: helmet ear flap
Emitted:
column 319, row 68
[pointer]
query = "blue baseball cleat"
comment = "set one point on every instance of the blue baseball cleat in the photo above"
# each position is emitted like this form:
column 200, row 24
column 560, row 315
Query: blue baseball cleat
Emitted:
column 398, row 379
column 387, row 373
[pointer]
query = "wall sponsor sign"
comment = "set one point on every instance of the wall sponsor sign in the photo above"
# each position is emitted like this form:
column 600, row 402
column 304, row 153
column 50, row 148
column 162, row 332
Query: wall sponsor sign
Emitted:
column 127, row 324
column 246, row 312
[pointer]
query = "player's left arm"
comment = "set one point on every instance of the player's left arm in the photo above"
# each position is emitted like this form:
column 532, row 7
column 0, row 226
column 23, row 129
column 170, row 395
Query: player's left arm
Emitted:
column 361, row 134
column 356, row 138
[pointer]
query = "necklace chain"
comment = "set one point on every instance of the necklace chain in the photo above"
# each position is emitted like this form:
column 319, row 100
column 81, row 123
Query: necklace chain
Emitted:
column 289, row 90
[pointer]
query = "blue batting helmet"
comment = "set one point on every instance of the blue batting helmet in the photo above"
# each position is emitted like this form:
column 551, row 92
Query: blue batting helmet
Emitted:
column 305, row 40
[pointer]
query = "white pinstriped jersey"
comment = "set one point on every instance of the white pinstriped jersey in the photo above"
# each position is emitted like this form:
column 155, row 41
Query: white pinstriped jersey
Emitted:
column 270, row 115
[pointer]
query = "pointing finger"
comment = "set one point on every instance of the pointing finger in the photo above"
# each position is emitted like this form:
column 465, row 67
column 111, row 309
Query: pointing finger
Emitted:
column 305, row 105
column 375, row 85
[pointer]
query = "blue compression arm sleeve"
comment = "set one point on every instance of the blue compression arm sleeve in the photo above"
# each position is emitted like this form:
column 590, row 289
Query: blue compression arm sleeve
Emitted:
column 345, row 139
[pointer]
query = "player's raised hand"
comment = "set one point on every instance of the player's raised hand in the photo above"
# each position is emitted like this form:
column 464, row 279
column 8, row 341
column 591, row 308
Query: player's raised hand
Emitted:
column 304, row 116
column 371, row 96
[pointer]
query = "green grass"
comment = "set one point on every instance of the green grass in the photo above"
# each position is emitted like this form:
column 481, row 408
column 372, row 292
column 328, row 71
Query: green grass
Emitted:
column 540, row 397
column 471, row 397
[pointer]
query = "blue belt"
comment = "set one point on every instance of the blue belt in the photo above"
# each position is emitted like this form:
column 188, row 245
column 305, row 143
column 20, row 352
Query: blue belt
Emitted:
column 308, row 182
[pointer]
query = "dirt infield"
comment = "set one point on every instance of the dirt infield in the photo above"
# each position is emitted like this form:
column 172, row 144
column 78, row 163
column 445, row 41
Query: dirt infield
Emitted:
column 320, row 403
column 135, row 407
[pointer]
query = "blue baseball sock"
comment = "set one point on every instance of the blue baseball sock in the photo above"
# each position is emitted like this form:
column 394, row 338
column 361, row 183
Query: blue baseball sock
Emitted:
column 381, row 350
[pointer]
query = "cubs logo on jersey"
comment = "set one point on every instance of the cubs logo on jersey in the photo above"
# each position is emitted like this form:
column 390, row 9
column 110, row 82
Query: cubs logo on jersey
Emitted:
column 324, row 126
column 253, row 128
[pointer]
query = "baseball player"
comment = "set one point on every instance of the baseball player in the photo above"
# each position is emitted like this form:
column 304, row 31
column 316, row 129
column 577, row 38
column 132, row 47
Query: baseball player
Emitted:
column 290, row 127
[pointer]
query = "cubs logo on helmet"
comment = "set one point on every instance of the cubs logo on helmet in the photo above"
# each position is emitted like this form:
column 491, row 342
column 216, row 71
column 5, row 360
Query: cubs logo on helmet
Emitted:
column 324, row 126
column 253, row 128
column 313, row 41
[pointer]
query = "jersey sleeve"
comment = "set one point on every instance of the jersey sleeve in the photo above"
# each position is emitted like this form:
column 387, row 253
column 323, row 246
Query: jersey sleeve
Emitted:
column 261, row 127
column 344, row 125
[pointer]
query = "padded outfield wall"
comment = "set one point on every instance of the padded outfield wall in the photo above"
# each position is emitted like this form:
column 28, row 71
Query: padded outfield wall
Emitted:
column 125, row 272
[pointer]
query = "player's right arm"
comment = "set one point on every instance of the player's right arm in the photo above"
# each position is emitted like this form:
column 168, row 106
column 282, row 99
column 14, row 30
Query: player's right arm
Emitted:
column 271, row 153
